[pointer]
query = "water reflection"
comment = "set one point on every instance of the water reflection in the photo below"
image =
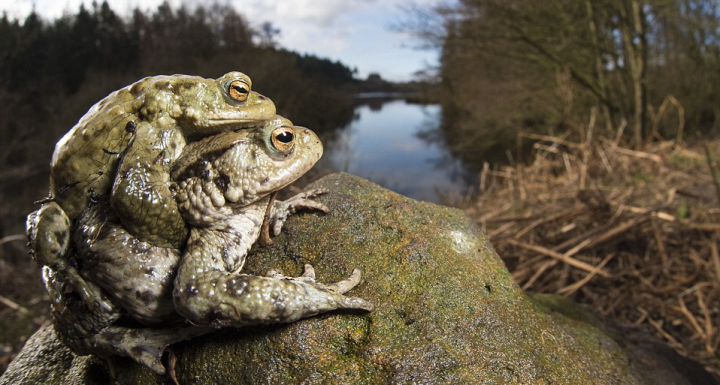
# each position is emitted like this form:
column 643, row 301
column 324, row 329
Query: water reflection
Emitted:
column 397, row 145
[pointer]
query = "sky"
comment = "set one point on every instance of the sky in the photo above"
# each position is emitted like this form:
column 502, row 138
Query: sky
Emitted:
column 358, row 33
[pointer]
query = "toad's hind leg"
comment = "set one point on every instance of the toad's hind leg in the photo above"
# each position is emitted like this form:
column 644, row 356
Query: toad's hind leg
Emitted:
column 208, row 293
column 48, row 231
column 136, row 274
column 227, row 299
column 95, row 330
column 145, row 345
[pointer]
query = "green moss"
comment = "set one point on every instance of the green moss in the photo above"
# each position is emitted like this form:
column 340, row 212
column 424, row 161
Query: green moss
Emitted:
column 683, row 210
column 641, row 177
column 682, row 161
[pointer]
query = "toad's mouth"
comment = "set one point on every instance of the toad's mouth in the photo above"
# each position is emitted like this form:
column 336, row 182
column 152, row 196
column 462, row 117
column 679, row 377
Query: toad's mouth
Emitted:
column 213, row 126
column 240, row 122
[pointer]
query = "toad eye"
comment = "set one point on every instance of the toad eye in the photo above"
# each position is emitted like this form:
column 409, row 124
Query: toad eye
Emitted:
column 238, row 90
column 283, row 139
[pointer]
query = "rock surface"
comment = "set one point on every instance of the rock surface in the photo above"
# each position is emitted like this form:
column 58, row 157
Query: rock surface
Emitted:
column 448, row 311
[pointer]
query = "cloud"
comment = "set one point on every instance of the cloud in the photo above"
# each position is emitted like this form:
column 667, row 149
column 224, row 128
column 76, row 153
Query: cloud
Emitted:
column 322, row 27
column 320, row 14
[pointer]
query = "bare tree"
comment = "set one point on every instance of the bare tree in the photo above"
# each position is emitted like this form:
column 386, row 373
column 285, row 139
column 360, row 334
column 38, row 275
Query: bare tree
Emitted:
column 623, row 56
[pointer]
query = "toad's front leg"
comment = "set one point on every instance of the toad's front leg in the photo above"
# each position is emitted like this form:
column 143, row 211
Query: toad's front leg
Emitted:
column 208, row 291
column 281, row 210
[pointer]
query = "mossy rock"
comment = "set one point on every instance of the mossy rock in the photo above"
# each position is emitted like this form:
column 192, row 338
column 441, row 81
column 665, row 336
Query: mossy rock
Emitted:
column 447, row 311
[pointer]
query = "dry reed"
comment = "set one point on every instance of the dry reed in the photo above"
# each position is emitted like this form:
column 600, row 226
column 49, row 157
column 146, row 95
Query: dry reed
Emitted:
column 632, row 234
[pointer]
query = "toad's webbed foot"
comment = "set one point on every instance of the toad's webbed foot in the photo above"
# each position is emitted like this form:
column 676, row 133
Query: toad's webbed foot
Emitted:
column 90, row 294
column 77, row 322
column 308, row 276
column 282, row 210
column 144, row 345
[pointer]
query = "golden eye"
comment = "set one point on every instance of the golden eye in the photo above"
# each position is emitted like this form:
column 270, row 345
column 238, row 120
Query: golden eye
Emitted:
column 283, row 138
column 239, row 90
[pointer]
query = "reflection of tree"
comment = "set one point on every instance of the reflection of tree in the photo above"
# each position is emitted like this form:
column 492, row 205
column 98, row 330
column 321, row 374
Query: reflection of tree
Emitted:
column 339, row 154
column 431, row 132
column 475, row 147
column 375, row 105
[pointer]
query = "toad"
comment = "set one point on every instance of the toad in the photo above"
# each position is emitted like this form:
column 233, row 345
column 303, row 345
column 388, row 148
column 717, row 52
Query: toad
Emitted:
column 121, row 151
column 161, row 295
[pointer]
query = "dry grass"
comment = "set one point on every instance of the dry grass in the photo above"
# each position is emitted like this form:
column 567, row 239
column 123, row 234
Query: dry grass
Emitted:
column 632, row 234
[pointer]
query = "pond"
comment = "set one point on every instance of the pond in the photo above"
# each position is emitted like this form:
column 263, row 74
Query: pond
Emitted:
column 397, row 145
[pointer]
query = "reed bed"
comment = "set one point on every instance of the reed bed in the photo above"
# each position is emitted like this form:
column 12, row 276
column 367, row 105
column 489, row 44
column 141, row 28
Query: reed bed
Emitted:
column 633, row 234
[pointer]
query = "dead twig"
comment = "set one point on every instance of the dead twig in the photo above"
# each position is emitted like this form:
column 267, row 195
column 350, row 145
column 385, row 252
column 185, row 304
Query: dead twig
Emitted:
column 14, row 237
column 577, row 285
column 560, row 257
column 12, row 305
column 632, row 233
column 713, row 172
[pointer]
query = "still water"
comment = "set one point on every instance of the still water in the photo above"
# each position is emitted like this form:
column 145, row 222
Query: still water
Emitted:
column 396, row 144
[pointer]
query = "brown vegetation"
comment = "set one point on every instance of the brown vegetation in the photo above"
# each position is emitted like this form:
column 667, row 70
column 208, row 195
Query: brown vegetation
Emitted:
column 634, row 234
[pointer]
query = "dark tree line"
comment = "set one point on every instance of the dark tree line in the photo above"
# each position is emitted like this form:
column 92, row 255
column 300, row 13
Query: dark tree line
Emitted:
column 53, row 71
column 35, row 51
column 525, row 64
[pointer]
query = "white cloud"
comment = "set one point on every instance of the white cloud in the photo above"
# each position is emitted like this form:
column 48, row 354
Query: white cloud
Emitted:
column 52, row 9
column 321, row 27
column 321, row 14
